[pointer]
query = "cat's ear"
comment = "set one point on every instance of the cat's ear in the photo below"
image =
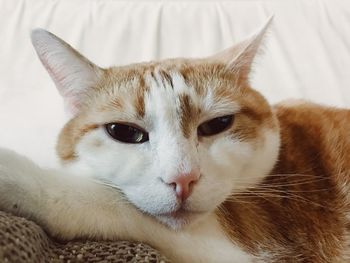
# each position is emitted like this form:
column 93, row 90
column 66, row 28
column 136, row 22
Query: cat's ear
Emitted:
column 239, row 58
column 72, row 73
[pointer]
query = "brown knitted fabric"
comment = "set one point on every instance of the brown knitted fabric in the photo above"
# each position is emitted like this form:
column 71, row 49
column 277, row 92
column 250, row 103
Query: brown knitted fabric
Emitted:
column 22, row 240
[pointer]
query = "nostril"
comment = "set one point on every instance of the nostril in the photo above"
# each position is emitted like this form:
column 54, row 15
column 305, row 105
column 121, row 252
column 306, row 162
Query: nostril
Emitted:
column 173, row 185
column 182, row 184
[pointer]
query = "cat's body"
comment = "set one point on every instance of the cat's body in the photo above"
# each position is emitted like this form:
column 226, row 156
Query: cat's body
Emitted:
column 301, row 212
column 207, row 170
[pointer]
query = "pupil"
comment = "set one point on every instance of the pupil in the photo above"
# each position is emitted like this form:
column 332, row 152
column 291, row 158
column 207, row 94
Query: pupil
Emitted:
column 128, row 132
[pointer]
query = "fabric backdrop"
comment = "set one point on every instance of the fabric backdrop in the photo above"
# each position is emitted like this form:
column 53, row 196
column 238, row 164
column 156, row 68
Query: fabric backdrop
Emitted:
column 307, row 54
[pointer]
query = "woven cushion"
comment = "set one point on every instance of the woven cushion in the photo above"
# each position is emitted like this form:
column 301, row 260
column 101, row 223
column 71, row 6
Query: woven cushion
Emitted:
column 22, row 240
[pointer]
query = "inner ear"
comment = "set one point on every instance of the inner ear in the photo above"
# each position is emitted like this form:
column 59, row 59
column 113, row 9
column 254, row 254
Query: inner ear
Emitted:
column 72, row 73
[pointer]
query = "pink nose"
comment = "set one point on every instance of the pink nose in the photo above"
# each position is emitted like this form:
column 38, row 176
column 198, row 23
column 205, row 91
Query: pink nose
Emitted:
column 183, row 184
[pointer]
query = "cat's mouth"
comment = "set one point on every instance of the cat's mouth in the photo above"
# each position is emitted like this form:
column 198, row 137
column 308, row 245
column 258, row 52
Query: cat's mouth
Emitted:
column 179, row 218
column 181, row 213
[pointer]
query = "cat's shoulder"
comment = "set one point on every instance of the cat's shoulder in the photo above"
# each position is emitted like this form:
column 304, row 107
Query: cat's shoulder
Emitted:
column 302, row 112
column 308, row 129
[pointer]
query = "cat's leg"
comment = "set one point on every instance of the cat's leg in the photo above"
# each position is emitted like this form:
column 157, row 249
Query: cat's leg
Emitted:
column 67, row 206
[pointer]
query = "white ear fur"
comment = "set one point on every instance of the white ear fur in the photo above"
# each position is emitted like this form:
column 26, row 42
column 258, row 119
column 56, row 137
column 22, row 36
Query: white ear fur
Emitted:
column 240, row 57
column 72, row 73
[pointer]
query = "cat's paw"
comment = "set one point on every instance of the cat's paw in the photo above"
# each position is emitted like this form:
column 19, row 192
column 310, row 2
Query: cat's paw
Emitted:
column 16, row 162
column 18, row 183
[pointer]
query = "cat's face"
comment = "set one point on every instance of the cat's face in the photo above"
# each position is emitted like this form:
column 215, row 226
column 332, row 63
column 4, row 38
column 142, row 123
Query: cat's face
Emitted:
column 178, row 137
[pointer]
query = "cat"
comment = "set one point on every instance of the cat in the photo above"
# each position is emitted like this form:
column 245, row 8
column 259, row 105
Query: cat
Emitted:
column 184, row 155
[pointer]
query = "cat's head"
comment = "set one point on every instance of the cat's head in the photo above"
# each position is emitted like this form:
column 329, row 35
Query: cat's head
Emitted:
column 177, row 136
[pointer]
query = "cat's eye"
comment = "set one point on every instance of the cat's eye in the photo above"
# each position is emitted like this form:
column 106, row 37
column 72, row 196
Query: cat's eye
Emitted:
column 215, row 126
column 126, row 133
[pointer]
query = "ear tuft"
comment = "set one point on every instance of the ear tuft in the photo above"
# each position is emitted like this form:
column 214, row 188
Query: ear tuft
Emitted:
column 72, row 73
column 240, row 57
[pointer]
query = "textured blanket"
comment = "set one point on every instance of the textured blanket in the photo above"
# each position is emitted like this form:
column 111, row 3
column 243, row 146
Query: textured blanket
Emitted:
column 22, row 240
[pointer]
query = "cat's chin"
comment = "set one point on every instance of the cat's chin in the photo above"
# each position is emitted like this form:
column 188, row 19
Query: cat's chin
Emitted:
column 179, row 219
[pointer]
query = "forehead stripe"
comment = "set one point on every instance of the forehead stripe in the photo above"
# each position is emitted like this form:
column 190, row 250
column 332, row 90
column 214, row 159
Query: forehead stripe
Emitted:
column 188, row 114
column 166, row 78
column 140, row 98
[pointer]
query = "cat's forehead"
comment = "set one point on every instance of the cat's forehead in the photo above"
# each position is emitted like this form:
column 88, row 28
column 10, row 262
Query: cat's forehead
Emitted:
column 197, row 73
column 176, row 89
column 194, row 77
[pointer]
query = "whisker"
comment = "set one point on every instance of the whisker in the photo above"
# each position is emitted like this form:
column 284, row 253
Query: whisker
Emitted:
column 122, row 198
column 292, row 198
column 249, row 193
column 298, row 177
